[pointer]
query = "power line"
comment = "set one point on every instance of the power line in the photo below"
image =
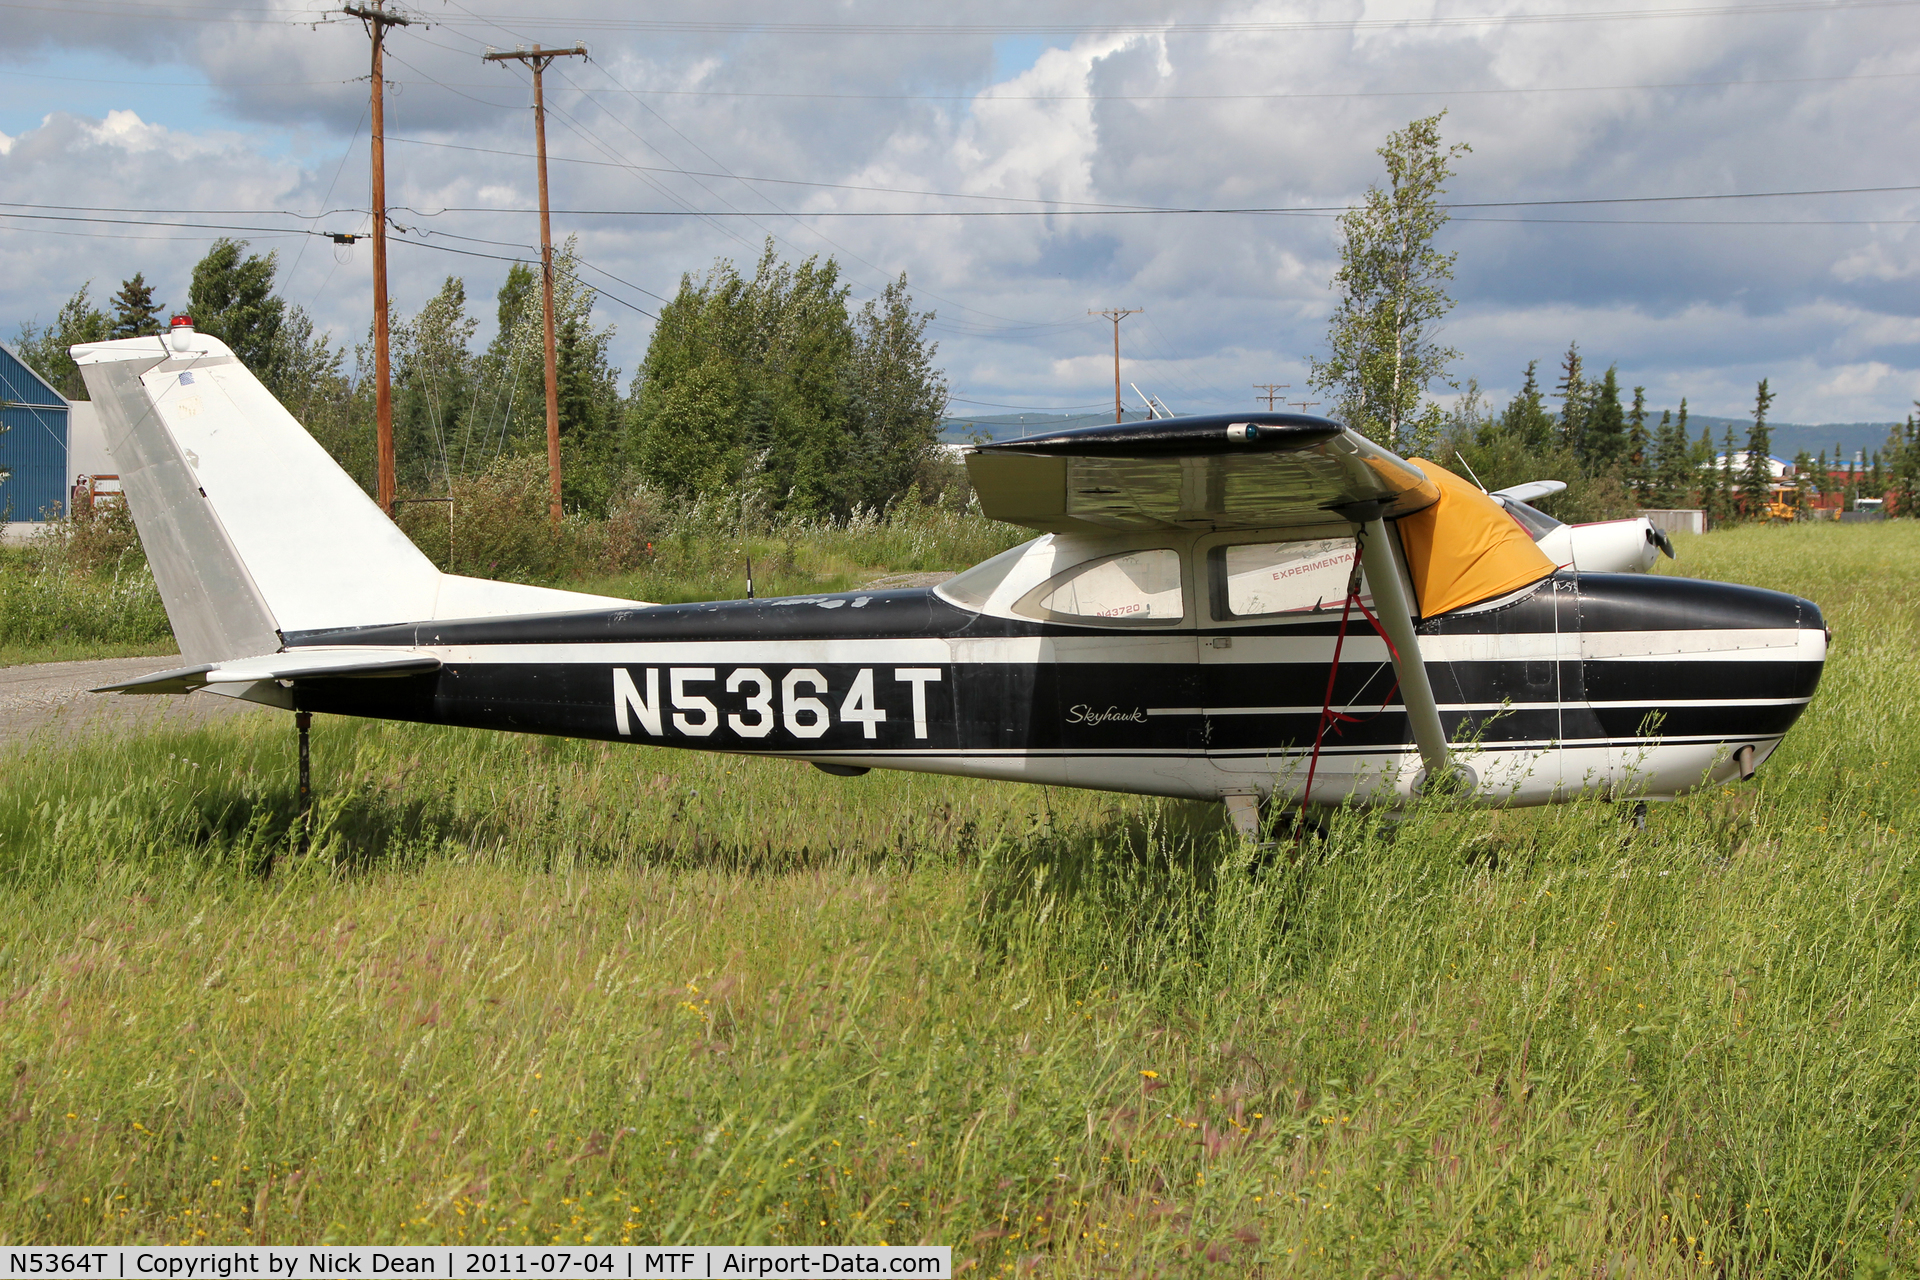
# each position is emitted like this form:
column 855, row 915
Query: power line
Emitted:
column 268, row 16
column 797, row 218
column 1064, row 205
column 982, row 97
column 950, row 30
column 209, row 13
column 498, row 257
column 988, row 98
column 605, row 148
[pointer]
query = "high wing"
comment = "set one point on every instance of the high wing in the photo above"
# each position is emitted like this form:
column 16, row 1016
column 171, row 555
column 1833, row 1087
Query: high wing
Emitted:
column 1222, row 471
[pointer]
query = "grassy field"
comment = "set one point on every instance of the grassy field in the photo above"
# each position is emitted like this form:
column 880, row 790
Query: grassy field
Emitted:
column 542, row 990
column 51, row 613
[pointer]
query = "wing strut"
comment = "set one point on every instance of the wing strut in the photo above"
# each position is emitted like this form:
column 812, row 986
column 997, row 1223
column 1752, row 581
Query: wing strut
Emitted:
column 1380, row 555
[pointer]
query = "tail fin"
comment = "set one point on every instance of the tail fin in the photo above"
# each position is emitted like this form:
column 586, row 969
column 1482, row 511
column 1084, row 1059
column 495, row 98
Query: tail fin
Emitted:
column 253, row 531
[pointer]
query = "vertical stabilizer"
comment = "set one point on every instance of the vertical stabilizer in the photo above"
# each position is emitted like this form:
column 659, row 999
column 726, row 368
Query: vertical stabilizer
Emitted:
column 215, row 608
column 255, row 534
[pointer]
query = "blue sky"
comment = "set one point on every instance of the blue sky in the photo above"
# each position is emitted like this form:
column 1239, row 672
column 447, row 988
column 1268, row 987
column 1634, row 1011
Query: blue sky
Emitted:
column 260, row 106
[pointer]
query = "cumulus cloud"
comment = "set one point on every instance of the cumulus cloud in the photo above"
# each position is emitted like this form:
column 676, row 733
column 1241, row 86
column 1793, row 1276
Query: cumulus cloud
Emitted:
column 1271, row 104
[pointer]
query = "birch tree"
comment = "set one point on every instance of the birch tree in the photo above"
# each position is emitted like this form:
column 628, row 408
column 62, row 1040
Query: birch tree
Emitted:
column 1383, row 343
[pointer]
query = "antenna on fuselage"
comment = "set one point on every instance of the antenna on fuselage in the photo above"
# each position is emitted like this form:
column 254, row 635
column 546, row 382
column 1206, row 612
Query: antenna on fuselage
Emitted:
column 1469, row 467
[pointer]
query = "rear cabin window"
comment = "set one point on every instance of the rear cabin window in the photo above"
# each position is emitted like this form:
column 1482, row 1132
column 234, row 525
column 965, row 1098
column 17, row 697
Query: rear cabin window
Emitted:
column 1137, row 587
column 1262, row 579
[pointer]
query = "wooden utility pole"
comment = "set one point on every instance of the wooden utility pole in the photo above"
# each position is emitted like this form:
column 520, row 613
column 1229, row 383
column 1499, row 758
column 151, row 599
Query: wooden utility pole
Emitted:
column 538, row 58
column 378, row 20
column 1303, row 405
column 1270, row 391
column 1116, row 314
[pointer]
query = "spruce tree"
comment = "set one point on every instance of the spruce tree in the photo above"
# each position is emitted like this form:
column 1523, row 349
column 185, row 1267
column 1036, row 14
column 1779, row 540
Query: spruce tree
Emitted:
column 1525, row 419
column 1903, row 453
column 1572, row 389
column 1674, row 474
column 1640, row 458
column 135, row 313
column 1725, row 495
column 1603, row 442
column 1756, row 477
column 1822, row 477
column 1705, row 462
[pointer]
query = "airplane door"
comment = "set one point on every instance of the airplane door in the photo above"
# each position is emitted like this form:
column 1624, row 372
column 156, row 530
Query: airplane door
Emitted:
column 1585, row 760
column 1273, row 611
column 1128, row 686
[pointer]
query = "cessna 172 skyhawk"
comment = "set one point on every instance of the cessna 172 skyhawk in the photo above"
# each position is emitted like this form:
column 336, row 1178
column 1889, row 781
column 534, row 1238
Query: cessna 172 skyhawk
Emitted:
column 1232, row 607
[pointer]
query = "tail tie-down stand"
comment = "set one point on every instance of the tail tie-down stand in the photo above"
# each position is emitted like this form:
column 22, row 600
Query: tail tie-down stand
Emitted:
column 303, row 839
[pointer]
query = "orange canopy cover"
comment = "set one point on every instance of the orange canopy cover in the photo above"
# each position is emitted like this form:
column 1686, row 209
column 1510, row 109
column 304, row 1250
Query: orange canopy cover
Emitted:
column 1465, row 548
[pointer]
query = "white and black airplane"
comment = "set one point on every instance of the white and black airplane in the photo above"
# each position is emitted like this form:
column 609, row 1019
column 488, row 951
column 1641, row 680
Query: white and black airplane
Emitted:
column 1602, row 546
column 1232, row 607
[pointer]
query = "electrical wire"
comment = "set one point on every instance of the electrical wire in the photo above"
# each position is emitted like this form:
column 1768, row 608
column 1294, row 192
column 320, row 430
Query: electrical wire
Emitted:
column 804, row 225
column 987, row 97
column 1067, row 206
column 797, row 218
column 951, row 30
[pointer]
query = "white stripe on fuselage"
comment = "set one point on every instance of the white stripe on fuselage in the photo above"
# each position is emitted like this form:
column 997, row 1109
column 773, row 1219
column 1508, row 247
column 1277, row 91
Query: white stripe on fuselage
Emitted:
column 1168, row 647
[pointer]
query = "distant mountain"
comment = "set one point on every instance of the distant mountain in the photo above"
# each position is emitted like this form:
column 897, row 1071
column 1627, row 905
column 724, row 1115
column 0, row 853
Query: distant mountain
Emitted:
column 1790, row 438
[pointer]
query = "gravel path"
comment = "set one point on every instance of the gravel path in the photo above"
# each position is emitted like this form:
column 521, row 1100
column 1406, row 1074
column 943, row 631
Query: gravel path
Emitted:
column 42, row 704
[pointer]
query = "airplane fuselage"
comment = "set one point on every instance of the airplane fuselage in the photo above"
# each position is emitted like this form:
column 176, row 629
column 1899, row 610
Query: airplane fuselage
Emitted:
column 1621, row 682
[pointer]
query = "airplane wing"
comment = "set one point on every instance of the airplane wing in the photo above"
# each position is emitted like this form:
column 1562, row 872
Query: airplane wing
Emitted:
column 1530, row 490
column 300, row 664
column 1222, row 471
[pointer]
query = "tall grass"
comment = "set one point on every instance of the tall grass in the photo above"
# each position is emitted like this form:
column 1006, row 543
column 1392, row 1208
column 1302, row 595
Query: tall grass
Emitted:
column 538, row 990
column 80, row 588
column 50, row 613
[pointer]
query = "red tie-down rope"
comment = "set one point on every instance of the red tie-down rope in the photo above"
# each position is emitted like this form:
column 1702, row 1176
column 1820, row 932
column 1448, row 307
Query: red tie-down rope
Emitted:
column 1329, row 718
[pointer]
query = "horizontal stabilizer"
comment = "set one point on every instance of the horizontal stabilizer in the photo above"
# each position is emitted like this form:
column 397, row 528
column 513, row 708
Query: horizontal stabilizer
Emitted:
column 300, row 664
column 1530, row 490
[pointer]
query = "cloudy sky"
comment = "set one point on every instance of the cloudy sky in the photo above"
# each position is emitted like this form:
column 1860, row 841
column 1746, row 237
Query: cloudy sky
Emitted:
column 1013, row 159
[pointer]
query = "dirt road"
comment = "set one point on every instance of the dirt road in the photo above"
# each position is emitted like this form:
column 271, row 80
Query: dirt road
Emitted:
column 47, row 703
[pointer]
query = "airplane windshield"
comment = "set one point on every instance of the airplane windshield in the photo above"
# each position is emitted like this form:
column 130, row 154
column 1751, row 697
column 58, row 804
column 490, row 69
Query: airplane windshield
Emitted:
column 1538, row 524
column 973, row 588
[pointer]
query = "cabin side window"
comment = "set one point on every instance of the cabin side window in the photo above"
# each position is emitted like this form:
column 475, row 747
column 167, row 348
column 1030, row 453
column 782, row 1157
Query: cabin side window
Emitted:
column 1132, row 588
column 1264, row 579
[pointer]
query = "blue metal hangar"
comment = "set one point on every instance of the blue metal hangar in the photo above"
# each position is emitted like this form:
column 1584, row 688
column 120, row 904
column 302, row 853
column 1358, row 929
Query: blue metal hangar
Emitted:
column 47, row 444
